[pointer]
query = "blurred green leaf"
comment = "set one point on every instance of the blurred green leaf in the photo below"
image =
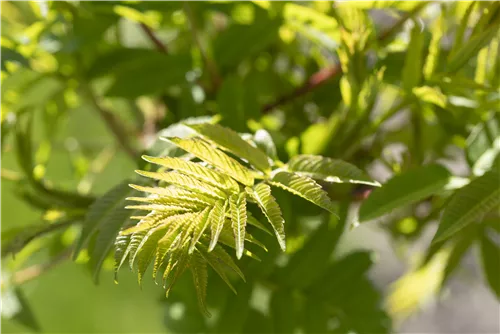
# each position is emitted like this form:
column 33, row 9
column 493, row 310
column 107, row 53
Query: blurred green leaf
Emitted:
column 234, row 314
column 404, row 189
column 257, row 323
column 469, row 204
column 308, row 264
column 10, row 55
column 460, row 248
column 137, row 72
column 15, row 306
column 103, row 221
column 235, row 103
column 283, row 311
column 414, row 61
column 239, row 41
column 472, row 47
column 490, row 256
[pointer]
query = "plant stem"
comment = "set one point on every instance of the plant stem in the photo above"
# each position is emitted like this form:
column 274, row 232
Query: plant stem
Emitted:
column 113, row 123
column 159, row 45
column 209, row 63
column 27, row 274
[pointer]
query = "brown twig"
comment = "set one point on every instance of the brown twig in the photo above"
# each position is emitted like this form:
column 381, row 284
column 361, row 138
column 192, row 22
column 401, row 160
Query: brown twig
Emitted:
column 209, row 63
column 325, row 74
column 316, row 80
column 159, row 45
column 114, row 124
column 27, row 274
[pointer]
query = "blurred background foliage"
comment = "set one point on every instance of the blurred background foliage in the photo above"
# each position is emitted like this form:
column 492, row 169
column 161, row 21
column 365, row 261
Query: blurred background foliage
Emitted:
column 386, row 85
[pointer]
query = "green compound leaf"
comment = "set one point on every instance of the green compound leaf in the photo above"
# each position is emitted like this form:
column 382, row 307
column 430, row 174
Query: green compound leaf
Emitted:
column 304, row 187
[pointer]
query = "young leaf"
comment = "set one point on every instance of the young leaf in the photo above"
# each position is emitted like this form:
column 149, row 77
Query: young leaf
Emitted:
column 404, row 189
column 215, row 157
column 217, row 219
column 262, row 194
column 229, row 140
column 330, row 170
column 304, row 187
column 187, row 182
column 237, row 203
column 210, row 176
column 490, row 255
column 468, row 204
column 200, row 224
column 177, row 195
column 198, row 267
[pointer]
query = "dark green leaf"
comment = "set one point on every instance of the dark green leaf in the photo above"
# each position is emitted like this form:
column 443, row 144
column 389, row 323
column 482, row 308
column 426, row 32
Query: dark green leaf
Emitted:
column 404, row 189
column 469, row 204
column 472, row 47
column 104, row 219
column 490, row 255
column 283, row 311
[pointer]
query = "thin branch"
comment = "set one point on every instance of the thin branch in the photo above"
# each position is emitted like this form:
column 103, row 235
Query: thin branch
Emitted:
column 156, row 41
column 325, row 74
column 209, row 63
column 316, row 80
column 11, row 175
column 27, row 274
column 114, row 124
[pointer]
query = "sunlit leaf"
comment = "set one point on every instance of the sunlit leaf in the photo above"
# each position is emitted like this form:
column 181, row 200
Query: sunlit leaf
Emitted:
column 217, row 158
column 330, row 170
column 271, row 209
column 304, row 187
column 229, row 140
column 237, row 203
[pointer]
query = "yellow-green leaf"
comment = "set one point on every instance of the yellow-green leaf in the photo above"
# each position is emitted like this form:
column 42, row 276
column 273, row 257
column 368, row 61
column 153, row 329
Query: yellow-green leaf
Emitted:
column 237, row 204
column 329, row 170
column 262, row 194
column 203, row 150
column 304, row 187
column 229, row 140
column 202, row 173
